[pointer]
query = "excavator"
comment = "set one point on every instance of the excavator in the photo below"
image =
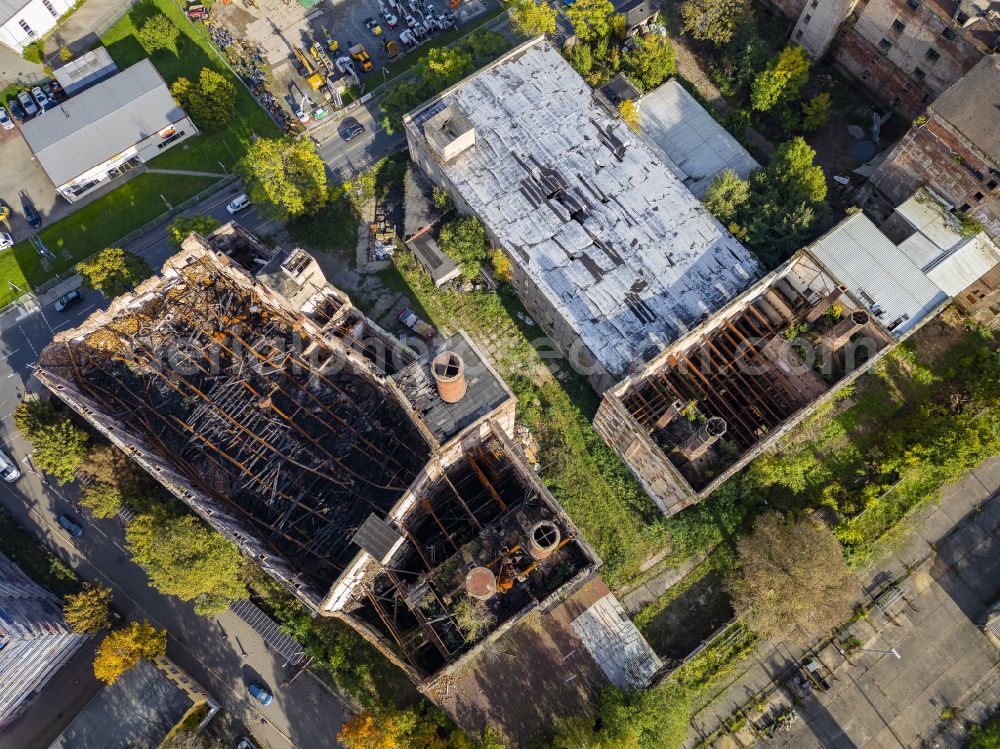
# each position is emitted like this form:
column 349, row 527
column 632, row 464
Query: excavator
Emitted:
column 309, row 71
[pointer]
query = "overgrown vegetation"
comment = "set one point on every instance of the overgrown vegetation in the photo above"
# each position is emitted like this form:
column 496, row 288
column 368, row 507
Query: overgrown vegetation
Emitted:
column 986, row 735
column 123, row 648
column 58, row 445
column 44, row 568
column 211, row 100
column 89, row 611
column 113, row 271
column 284, row 177
column 437, row 69
column 464, row 240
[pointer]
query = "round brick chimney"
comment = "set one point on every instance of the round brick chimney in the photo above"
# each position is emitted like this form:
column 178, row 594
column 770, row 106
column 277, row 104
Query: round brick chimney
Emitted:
column 448, row 371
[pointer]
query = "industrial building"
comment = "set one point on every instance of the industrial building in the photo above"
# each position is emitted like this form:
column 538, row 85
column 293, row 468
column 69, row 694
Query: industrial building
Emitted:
column 35, row 641
column 905, row 53
column 610, row 252
column 107, row 130
column 727, row 391
column 955, row 151
column 23, row 22
column 143, row 706
column 381, row 486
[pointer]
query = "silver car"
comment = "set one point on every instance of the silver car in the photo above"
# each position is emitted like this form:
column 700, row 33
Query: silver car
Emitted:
column 30, row 108
column 8, row 468
column 5, row 122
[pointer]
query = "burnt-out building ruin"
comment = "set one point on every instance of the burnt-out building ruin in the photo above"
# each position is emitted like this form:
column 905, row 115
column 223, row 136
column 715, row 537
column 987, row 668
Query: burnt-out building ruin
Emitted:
column 378, row 483
column 718, row 397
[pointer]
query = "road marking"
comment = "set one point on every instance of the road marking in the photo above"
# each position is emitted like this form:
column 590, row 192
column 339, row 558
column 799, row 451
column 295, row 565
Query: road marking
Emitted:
column 88, row 308
column 10, row 353
column 55, row 328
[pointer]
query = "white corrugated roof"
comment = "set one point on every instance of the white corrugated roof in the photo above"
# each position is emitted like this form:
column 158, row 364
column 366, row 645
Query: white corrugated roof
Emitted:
column 619, row 246
column 877, row 272
column 956, row 271
column 690, row 137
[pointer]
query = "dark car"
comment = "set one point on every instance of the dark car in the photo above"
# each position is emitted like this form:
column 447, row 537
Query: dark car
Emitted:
column 260, row 692
column 353, row 131
column 15, row 110
column 67, row 300
column 30, row 214
column 72, row 527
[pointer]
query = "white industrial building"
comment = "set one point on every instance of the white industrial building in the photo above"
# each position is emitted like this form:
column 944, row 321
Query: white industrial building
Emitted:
column 25, row 21
column 611, row 253
column 107, row 130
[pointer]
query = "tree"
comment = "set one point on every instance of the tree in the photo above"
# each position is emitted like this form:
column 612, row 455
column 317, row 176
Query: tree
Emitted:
column 211, row 102
column 104, row 500
column 185, row 558
column 158, row 33
column 285, row 177
column 791, row 176
column 464, row 241
column 473, row 618
column 420, row 727
column 106, row 464
column 794, row 579
column 443, row 66
column 113, row 271
column 89, row 611
column 34, row 52
column 58, row 448
column 644, row 719
column 781, row 80
column 580, row 58
column 197, row 224
column 714, row 20
column 816, row 112
column 529, row 18
column 629, row 114
column 650, row 60
column 32, row 414
column 591, row 19
column 65, row 53
column 122, row 650
column 728, row 196
column 183, row 739
column 485, row 46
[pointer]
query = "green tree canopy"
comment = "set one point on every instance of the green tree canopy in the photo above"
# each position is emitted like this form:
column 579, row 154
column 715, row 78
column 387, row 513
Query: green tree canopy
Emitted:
column 211, row 102
column 727, row 196
column 185, row 225
column 644, row 719
column 529, row 18
column 104, row 500
column 794, row 580
column 185, row 558
column 32, row 414
column 285, row 177
column 581, row 58
column 113, row 271
column 158, row 33
column 591, row 19
column 791, row 176
column 464, row 241
column 57, row 445
column 714, row 20
column 649, row 61
column 781, row 80
column 816, row 112
column 89, row 611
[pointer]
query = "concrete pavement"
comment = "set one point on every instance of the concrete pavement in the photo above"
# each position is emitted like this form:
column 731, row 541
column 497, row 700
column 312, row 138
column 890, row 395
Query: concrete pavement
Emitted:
column 304, row 714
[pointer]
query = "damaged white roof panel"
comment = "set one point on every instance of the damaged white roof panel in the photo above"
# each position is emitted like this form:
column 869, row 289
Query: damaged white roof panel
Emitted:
column 617, row 243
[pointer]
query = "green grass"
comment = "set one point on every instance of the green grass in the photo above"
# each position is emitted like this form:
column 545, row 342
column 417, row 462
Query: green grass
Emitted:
column 94, row 227
column 45, row 569
column 985, row 736
column 194, row 52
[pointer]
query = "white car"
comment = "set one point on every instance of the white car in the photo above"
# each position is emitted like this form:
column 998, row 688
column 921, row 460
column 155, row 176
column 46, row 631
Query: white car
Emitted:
column 5, row 122
column 41, row 98
column 8, row 468
column 240, row 202
column 5, row 240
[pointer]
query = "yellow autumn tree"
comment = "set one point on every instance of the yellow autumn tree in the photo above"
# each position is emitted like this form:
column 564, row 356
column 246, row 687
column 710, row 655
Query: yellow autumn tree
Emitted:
column 122, row 649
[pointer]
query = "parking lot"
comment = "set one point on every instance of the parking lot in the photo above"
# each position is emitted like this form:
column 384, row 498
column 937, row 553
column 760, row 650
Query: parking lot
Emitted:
column 22, row 178
column 277, row 27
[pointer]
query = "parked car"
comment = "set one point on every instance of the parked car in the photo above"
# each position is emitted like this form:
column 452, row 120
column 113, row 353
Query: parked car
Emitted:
column 30, row 108
column 15, row 110
column 68, row 300
column 352, row 131
column 390, row 20
column 247, row 743
column 8, row 468
column 72, row 527
column 41, row 99
column 30, row 213
column 240, row 202
column 5, row 122
column 373, row 26
column 260, row 692
column 5, row 240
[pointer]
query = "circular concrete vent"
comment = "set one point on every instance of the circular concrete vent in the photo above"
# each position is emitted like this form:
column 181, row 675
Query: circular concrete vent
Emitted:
column 448, row 370
column 543, row 539
column 481, row 583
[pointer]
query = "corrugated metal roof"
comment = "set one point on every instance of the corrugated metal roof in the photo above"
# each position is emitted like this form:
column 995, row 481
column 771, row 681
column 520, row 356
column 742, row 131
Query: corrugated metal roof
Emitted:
column 9, row 7
column 86, row 70
column 956, row 271
column 101, row 122
column 878, row 272
column 691, row 138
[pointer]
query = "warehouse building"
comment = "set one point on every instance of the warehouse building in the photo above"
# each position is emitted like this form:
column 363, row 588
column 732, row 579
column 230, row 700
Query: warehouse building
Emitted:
column 610, row 252
column 107, row 130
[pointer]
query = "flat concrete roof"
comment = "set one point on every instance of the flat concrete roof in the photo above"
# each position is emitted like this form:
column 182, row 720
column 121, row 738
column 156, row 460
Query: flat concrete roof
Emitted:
column 627, row 255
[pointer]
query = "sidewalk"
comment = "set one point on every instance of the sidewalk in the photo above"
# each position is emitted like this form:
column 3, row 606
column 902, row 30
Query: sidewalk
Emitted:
column 950, row 564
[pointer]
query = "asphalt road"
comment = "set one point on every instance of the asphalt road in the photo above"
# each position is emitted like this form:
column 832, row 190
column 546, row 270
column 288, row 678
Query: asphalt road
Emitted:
column 343, row 158
column 221, row 653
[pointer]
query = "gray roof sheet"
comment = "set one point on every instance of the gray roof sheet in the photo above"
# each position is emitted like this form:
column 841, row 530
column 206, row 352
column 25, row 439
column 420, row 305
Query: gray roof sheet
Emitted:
column 102, row 121
column 85, row 71
column 138, row 710
column 9, row 7
column 691, row 138
column 972, row 105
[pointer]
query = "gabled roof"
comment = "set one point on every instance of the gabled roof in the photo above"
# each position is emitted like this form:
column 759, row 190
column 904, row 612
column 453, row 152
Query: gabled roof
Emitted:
column 101, row 122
